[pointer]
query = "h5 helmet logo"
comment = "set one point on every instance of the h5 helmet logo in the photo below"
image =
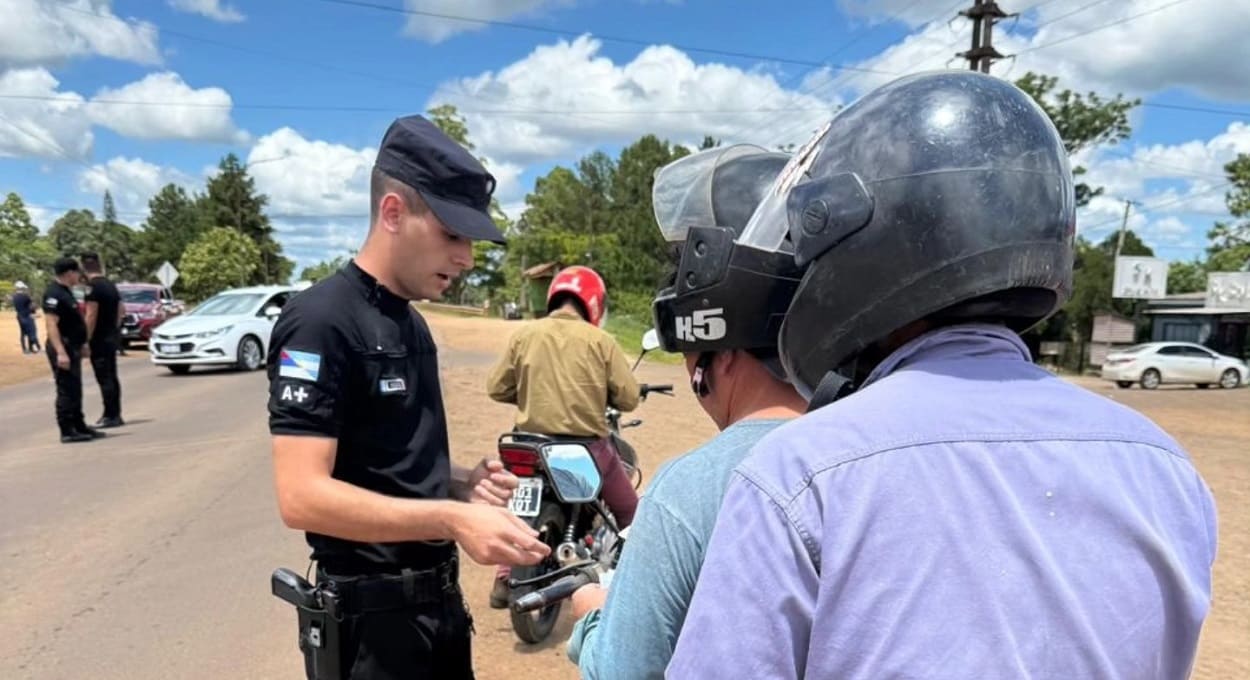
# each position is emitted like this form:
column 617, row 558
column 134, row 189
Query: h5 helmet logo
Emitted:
column 704, row 324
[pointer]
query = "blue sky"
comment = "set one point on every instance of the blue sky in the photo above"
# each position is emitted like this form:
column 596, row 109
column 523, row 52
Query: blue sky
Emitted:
column 129, row 95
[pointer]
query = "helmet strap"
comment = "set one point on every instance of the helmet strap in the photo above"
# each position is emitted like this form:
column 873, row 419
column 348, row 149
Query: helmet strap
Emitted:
column 701, row 381
column 832, row 387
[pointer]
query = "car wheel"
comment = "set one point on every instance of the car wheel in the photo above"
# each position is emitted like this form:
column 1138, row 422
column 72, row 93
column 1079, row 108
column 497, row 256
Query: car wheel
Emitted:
column 249, row 355
column 1150, row 379
column 1124, row 384
column 1230, row 379
column 179, row 369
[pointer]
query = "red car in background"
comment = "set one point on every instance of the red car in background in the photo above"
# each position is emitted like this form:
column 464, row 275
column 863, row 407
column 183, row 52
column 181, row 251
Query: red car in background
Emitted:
column 147, row 305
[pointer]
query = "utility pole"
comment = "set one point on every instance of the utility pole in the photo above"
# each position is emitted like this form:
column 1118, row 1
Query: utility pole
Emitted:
column 984, row 14
column 1123, row 227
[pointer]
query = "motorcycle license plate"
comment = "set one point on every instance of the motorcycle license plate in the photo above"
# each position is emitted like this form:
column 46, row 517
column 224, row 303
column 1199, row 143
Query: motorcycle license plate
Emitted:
column 527, row 498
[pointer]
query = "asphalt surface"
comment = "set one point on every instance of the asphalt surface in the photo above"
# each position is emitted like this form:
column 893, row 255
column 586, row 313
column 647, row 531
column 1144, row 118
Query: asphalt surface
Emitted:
column 146, row 554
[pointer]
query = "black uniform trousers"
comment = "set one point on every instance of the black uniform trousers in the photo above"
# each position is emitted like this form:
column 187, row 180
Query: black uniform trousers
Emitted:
column 104, row 365
column 69, row 416
column 413, row 642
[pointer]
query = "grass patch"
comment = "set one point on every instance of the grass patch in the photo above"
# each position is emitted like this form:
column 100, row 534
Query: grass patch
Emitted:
column 447, row 310
column 628, row 331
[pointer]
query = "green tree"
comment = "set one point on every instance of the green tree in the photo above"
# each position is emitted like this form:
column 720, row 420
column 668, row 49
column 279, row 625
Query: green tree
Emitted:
column 175, row 220
column 220, row 258
column 109, row 212
column 487, row 274
column 234, row 202
column 322, row 269
column 15, row 221
column 24, row 254
column 78, row 231
column 449, row 120
column 643, row 256
column 1187, row 277
column 1093, row 279
column 1082, row 120
column 1230, row 241
column 75, row 232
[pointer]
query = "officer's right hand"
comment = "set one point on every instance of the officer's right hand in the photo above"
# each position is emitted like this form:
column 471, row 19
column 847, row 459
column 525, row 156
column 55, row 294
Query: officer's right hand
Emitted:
column 62, row 361
column 493, row 535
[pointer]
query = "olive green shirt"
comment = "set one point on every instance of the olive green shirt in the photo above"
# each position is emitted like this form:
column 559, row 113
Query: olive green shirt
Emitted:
column 562, row 373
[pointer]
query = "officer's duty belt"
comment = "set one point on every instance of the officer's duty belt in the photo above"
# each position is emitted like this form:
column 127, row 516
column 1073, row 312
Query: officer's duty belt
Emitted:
column 361, row 594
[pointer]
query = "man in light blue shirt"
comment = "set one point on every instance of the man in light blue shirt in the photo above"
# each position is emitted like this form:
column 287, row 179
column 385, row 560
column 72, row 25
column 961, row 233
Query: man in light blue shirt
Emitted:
column 731, row 356
column 948, row 509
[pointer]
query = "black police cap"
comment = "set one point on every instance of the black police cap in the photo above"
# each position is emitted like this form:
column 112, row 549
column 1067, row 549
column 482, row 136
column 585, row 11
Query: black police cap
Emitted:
column 453, row 183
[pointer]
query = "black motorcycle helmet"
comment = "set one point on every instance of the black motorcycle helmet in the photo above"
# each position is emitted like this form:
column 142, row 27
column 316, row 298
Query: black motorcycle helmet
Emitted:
column 941, row 196
column 724, row 294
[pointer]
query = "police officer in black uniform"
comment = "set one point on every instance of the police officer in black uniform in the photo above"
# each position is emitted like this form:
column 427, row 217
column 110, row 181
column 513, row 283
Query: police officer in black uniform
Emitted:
column 360, row 442
column 67, row 334
column 104, row 319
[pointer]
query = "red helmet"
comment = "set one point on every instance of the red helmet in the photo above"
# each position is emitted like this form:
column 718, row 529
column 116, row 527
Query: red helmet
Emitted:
column 584, row 285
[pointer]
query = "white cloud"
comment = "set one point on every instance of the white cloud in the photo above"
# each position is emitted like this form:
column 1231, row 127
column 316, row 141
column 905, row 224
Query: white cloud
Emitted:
column 582, row 100
column 507, row 182
column 311, row 177
column 166, row 108
column 43, row 128
column 319, row 192
column 50, row 31
column 309, row 241
column 213, row 9
column 42, row 217
column 1139, row 56
column 132, row 182
column 435, row 29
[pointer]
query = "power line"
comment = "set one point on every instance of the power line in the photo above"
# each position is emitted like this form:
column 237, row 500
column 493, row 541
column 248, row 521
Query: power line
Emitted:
column 1099, row 28
column 1198, row 109
column 383, row 109
column 1127, row 155
column 604, row 37
column 1164, row 204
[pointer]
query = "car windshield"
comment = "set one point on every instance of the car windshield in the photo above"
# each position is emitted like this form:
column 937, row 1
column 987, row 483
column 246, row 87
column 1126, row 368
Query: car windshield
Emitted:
column 139, row 296
column 1132, row 350
column 222, row 305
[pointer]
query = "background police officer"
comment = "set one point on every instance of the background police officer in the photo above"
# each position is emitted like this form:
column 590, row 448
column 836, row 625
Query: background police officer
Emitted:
column 360, row 444
column 67, row 336
column 104, row 320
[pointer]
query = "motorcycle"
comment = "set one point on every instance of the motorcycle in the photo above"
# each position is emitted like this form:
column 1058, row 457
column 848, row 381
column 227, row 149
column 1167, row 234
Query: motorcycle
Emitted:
column 558, row 494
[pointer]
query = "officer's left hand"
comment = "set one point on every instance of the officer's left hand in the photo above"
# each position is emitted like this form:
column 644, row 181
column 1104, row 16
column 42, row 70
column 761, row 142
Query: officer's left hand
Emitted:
column 491, row 484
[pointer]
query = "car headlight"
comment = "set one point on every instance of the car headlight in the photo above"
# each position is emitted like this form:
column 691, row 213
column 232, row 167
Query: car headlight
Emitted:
column 213, row 333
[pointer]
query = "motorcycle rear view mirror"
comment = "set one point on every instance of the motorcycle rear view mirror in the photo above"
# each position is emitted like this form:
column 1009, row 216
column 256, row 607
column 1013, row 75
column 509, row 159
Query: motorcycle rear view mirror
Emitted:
column 650, row 340
column 573, row 471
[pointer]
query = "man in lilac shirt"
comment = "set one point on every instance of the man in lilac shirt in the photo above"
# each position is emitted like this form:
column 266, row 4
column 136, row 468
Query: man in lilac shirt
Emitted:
column 947, row 508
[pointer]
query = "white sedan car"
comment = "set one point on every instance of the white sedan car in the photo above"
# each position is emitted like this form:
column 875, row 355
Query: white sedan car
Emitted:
column 229, row 329
column 1157, row 363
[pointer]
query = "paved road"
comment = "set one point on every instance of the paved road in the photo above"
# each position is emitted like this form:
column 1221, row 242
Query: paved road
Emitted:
column 146, row 554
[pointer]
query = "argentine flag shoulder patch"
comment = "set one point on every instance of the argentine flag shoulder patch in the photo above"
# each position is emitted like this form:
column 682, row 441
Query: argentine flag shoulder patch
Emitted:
column 299, row 365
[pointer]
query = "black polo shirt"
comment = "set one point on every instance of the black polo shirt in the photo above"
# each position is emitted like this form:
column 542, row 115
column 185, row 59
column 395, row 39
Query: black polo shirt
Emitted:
column 350, row 360
column 107, row 298
column 60, row 300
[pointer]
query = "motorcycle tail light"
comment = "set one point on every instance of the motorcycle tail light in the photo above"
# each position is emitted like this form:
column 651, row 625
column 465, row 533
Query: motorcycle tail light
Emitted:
column 520, row 462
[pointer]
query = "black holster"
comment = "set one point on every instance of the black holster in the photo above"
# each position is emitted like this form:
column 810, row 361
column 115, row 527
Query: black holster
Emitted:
column 320, row 623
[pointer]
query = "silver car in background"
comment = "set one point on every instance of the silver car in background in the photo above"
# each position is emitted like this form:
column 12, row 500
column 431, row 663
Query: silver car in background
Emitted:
column 1159, row 363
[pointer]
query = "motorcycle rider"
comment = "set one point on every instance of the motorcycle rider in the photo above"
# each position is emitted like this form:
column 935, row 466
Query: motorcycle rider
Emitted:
column 722, row 312
column 562, row 372
column 947, row 508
